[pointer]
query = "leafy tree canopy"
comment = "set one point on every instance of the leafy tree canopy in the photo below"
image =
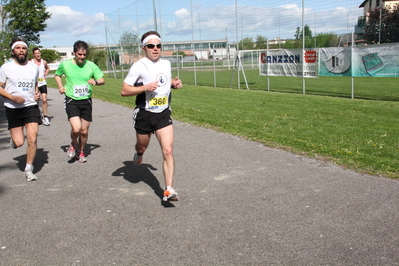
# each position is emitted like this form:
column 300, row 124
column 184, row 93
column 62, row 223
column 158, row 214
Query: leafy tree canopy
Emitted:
column 246, row 44
column 382, row 25
column 130, row 43
column 25, row 18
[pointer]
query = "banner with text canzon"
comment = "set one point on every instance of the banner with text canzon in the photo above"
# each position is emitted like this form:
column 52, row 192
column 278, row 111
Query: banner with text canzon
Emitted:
column 289, row 62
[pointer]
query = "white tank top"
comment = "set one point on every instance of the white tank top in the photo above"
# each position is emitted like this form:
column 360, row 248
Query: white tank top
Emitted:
column 41, row 79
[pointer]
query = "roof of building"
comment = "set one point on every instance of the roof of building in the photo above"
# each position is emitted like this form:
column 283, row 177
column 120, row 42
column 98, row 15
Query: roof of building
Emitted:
column 365, row 1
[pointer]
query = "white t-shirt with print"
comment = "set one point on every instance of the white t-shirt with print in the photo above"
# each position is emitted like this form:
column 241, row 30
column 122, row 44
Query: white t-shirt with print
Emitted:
column 21, row 81
column 147, row 71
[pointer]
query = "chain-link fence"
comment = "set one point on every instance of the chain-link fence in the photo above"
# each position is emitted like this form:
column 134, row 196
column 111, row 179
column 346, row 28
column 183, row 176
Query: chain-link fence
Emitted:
column 218, row 43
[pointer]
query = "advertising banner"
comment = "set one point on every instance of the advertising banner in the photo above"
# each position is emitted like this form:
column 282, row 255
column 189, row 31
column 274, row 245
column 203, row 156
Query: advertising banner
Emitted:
column 335, row 61
column 288, row 62
column 360, row 61
column 376, row 61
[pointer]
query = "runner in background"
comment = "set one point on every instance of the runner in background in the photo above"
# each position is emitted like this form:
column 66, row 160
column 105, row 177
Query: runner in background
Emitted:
column 43, row 72
column 80, row 77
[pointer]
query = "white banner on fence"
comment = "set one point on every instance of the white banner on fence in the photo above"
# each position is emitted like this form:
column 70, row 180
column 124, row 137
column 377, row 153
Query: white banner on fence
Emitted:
column 288, row 62
column 360, row 61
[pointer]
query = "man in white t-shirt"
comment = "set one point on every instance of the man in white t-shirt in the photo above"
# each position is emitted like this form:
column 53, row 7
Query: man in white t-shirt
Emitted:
column 18, row 86
column 150, row 80
column 43, row 72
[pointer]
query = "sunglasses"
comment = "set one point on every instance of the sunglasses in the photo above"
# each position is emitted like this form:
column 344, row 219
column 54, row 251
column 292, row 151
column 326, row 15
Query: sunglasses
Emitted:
column 152, row 46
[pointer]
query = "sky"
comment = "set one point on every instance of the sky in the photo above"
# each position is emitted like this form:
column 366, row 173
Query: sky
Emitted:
column 102, row 22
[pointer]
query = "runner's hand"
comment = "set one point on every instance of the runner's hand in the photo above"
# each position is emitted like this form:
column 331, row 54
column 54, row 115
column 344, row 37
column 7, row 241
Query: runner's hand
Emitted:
column 151, row 86
column 37, row 96
column 176, row 83
column 18, row 99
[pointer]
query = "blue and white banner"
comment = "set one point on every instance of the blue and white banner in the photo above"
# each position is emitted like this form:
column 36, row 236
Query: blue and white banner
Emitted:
column 360, row 61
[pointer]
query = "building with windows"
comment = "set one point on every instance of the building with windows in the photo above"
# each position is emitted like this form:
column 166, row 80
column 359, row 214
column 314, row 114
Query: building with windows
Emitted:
column 368, row 5
column 201, row 50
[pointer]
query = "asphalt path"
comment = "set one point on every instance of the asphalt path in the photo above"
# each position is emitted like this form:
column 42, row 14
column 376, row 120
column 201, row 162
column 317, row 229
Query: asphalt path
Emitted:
column 241, row 203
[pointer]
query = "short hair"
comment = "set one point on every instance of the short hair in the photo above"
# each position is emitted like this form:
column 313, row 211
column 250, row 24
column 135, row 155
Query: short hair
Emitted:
column 18, row 39
column 80, row 45
column 35, row 49
column 148, row 33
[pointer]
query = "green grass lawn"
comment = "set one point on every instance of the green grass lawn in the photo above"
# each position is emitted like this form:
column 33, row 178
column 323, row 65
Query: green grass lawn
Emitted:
column 369, row 88
column 356, row 133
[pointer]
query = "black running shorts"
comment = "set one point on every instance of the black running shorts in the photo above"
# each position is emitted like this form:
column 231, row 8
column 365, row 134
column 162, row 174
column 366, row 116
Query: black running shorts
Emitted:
column 43, row 89
column 18, row 117
column 81, row 108
column 147, row 122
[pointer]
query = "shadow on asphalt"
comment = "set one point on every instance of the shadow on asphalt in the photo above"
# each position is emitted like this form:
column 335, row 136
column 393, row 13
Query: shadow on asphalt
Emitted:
column 87, row 150
column 142, row 173
column 41, row 159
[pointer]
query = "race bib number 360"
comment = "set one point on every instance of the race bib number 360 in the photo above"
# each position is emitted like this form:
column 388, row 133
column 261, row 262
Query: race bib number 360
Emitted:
column 81, row 90
column 159, row 101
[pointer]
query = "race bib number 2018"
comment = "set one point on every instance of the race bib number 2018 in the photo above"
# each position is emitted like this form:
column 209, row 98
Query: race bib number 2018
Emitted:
column 81, row 90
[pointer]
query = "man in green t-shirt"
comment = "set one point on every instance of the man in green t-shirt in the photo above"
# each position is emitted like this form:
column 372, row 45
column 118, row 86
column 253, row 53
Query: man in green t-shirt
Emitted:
column 80, row 77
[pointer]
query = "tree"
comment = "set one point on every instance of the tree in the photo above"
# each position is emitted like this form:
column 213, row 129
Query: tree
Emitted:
column 5, row 51
column 246, row 44
column 182, row 53
column 47, row 54
column 299, row 37
column 261, row 42
column 25, row 18
column 99, row 57
column 50, row 55
column 388, row 18
column 326, row 40
column 129, row 42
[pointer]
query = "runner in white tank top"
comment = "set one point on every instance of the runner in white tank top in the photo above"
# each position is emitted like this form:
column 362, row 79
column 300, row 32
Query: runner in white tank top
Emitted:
column 43, row 72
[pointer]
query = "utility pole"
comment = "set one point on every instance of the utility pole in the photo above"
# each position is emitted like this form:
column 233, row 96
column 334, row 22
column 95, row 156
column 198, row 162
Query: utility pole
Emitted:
column 155, row 15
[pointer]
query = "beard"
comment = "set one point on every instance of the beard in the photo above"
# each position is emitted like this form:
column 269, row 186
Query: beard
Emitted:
column 21, row 59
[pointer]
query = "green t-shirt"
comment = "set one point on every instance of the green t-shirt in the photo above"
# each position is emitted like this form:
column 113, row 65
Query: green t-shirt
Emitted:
column 76, row 78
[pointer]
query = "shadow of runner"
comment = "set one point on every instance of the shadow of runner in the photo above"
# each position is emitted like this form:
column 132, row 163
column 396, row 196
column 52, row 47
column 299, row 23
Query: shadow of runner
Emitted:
column 142, row 173
column 87, row 150
column 41, row 159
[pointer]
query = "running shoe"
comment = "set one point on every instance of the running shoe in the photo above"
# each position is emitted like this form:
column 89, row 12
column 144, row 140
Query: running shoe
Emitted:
column 81, row 157
column 30, row 176
column 46, row 121
column 137, row 159
column 12, row 144
column 170, row 194
column 71, row 151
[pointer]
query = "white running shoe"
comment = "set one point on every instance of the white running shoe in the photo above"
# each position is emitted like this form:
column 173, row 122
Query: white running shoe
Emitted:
column 46, row 121
column 81, row 157
column 30, row 176
column 170, row 194
column 71, row 151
